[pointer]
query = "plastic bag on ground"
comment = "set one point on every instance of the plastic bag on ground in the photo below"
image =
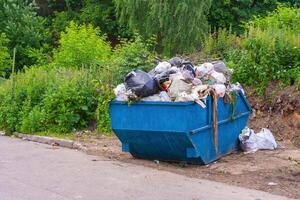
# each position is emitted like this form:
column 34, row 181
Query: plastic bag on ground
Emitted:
column 141, row 83
column 251, row 142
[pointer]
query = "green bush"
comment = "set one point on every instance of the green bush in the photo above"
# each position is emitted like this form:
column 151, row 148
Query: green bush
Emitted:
column 23, row 28
column 218, row 43
column 63, row 99
column 103, row 118
column 281, row 18
column 19, row 95
column 130, row 55
column 269, row 50
column 44, row 99
column 5, row 61
column 81, row 46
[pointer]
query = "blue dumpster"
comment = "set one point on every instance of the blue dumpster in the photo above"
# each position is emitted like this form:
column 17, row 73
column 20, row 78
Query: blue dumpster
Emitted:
column 179, row 131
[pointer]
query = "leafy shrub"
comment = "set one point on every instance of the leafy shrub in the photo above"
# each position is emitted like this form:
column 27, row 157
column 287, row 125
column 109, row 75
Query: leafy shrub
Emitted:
column 103, row 118
column 129, row 55
column 5, row 62
column 61, row 20
column 281, row 18
column 19, row 95
column 218, row 43
column 64, row 99
column 44, row 99
column 81, row 46
column 23, row 28
column 41, row 56
column 269, row 50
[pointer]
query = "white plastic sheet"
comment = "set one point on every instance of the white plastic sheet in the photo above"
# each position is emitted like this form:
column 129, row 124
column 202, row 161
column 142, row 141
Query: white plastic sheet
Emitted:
column 162, row 96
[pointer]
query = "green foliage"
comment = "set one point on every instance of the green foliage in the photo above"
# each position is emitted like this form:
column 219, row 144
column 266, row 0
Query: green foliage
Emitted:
column 22, row 27
column 281, row 18
column 81, row 46
column 60, row 21
column 103, row 118
column 269, row 50
column 41, row 56
column 130, row 55
column 5, row 61
column 179, row 26
column 101, row 14
column 43, row 99
column 231, row 13
column 217, row 44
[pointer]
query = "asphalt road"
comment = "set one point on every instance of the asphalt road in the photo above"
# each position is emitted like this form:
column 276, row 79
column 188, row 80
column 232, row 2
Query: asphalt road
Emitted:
column 33, row 171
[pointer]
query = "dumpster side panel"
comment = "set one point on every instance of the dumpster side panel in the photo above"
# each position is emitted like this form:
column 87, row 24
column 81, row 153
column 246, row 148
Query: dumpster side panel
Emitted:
column 160, row 145
column 163, row 116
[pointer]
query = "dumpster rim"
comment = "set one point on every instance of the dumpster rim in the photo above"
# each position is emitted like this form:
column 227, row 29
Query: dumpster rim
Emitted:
column 163, row 103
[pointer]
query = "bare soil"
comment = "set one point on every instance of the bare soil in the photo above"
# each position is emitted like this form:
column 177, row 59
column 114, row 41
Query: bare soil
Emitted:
column 276, row 172
column 278, row 110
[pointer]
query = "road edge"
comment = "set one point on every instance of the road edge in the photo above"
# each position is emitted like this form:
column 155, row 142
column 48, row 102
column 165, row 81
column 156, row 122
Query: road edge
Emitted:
column 49, row 140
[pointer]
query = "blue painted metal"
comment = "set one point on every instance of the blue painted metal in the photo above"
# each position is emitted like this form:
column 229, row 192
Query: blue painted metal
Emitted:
column 178, row 131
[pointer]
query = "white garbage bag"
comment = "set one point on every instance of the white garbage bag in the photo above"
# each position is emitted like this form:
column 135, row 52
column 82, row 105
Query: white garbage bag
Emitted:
column 251, row 142
column 218, row 77
column 196, row 81
column 162, row 96
column 220, row 89
column 162, row 67
column 204, row 70
column 121, row 93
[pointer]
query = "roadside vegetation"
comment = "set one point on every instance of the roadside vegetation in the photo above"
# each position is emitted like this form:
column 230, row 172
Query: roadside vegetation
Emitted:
column 70, row 56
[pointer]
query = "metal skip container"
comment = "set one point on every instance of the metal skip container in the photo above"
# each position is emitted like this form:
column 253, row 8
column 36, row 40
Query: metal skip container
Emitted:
column 180, row 131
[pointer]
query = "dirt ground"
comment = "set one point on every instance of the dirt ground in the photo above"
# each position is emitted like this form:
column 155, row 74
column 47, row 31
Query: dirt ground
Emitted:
column 276, row 172
column 278, row 110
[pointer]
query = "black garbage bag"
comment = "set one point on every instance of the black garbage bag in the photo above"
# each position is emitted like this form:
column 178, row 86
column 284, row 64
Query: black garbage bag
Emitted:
column 141, row 83
column 162, row 77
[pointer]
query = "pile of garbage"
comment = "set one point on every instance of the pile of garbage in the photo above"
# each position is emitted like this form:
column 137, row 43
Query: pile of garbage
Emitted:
column 177, row 80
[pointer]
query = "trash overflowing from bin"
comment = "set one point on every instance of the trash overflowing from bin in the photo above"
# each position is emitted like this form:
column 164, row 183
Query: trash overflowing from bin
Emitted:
column 178, row 80
column 180, row 112
column 250, row 141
